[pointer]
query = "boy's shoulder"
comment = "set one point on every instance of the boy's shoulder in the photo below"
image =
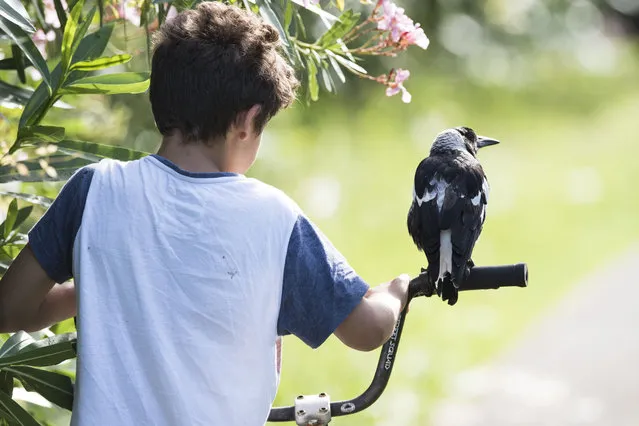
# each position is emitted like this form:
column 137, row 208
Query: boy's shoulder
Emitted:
column 269, row 193
column 253, row 189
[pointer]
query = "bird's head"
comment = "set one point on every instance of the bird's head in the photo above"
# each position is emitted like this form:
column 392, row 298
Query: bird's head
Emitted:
column 461, row 138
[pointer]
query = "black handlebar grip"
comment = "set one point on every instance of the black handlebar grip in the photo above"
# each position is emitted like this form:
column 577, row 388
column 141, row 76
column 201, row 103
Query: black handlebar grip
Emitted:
column 493, row 277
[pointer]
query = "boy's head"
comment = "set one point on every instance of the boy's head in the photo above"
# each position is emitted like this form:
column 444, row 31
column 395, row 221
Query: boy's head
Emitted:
column 216, row 70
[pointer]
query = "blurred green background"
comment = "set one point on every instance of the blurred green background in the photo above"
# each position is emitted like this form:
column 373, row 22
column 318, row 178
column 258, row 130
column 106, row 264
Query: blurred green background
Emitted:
column 561, row 200
column 565, row 105
column 555, row 81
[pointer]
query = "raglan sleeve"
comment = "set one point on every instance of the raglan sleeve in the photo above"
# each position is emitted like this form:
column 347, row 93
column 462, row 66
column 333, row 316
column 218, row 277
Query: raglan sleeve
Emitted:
column 52, row 237
column 319, row 290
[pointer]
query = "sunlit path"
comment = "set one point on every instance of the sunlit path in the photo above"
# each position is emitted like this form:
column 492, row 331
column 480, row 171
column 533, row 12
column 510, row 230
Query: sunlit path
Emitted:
column 575, row 367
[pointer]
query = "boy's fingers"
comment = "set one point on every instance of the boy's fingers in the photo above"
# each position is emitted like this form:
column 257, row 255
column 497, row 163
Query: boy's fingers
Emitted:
column 405, row 278
column 401, row 288
column 402, row 280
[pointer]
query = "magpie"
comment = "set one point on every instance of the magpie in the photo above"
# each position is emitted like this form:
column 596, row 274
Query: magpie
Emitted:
column 448, row 210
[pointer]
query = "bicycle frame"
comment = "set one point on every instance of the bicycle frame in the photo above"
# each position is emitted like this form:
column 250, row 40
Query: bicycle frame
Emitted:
column 317, row 410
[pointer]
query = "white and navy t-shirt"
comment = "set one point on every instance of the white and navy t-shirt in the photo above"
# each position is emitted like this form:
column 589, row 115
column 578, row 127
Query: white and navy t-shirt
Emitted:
column 184, row 283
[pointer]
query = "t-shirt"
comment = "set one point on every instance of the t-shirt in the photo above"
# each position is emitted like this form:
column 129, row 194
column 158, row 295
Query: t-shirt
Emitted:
column 184, row 282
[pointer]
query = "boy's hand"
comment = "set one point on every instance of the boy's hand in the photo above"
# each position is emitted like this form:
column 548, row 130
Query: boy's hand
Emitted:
column 399, row 288
column 372, row 322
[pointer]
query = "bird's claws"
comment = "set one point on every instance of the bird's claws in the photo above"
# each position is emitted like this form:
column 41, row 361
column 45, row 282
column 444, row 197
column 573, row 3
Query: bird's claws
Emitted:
column 426, row 285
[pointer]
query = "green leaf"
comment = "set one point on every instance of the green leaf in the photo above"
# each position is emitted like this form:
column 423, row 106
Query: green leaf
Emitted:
column 37, row 16
column 17, row 414
column 269, row 16
column 288, row 15
column 317, row 11
column 300, row 29
column 109, row 84
column 327, row 80
column 12, row 215
column 91, row 47
column 101, row 150
column 339, row 29
column 14, row 11
column 35, row 106
column 14, row 94
column 68, row 37
column 23, row 214
column 101, row 63
column 65, row 167
column 337, row 69
column 6, row 382
column 45, row 352
column 27, row 46
column 8, row 64
column 72, row 3
column 30, row 134
column 16, row 342
column 350, row 65
column 313, row 87
column 22, row 95
column 55, row 387
column 62, row 14
column 83, row 28
column 18, row 59
column 29, row 198
column 11, row 250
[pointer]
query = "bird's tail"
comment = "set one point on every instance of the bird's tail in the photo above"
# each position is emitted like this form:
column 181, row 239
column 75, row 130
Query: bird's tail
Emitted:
column 445, row 286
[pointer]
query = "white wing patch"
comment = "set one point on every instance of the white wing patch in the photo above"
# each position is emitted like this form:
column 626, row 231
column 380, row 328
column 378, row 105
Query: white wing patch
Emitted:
column 485, row 188
column 438, row 191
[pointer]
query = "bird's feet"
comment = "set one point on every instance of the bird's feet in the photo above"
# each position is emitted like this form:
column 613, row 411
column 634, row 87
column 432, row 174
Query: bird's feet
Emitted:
column 469, row 265
column 425, row 284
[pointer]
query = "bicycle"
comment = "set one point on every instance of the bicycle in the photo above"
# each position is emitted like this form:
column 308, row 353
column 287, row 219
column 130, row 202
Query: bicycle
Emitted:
column 318, row 410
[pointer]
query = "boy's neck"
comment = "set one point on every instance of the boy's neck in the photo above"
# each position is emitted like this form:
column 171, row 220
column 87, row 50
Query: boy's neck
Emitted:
column 195, row 157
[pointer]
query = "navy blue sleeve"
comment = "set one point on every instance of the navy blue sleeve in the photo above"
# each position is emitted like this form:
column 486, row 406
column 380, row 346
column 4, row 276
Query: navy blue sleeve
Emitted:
column 319, row 290
column 51, row 239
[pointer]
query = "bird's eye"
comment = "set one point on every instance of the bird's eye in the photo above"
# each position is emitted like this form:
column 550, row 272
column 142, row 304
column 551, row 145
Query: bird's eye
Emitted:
column 469, row 134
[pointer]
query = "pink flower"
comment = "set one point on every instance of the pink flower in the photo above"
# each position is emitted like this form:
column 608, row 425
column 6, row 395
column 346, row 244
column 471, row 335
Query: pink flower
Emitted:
column 396, row 86
column 40, row 39
column 50, row 15
column 417, row 37
column 402, row 30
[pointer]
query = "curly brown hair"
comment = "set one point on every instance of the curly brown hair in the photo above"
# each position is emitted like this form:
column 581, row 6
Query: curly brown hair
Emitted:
column 212, row 63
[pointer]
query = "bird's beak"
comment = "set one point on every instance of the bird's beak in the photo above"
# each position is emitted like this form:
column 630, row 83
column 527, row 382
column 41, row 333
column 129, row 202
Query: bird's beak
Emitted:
column 483, row 141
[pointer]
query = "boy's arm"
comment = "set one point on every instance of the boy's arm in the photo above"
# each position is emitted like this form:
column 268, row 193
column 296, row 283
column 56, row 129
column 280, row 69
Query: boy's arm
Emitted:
column 28, row 299
column 323, row 295
column 372, row 322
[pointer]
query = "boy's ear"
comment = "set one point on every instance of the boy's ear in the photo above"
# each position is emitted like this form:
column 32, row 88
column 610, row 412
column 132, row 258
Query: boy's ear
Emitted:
column 245, row 122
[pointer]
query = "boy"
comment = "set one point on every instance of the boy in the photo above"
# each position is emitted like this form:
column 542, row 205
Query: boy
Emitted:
column 186, row 272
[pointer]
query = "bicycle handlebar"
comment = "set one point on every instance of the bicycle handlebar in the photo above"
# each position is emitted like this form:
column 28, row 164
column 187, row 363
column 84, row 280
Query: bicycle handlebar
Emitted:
column 479, row 278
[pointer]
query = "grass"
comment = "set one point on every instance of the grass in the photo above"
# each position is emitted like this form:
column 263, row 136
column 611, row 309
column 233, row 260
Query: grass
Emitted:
column 562, row 200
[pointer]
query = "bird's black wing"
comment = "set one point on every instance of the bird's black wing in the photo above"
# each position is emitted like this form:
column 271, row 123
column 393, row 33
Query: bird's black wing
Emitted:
column 423, row 216
column 464, row 212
